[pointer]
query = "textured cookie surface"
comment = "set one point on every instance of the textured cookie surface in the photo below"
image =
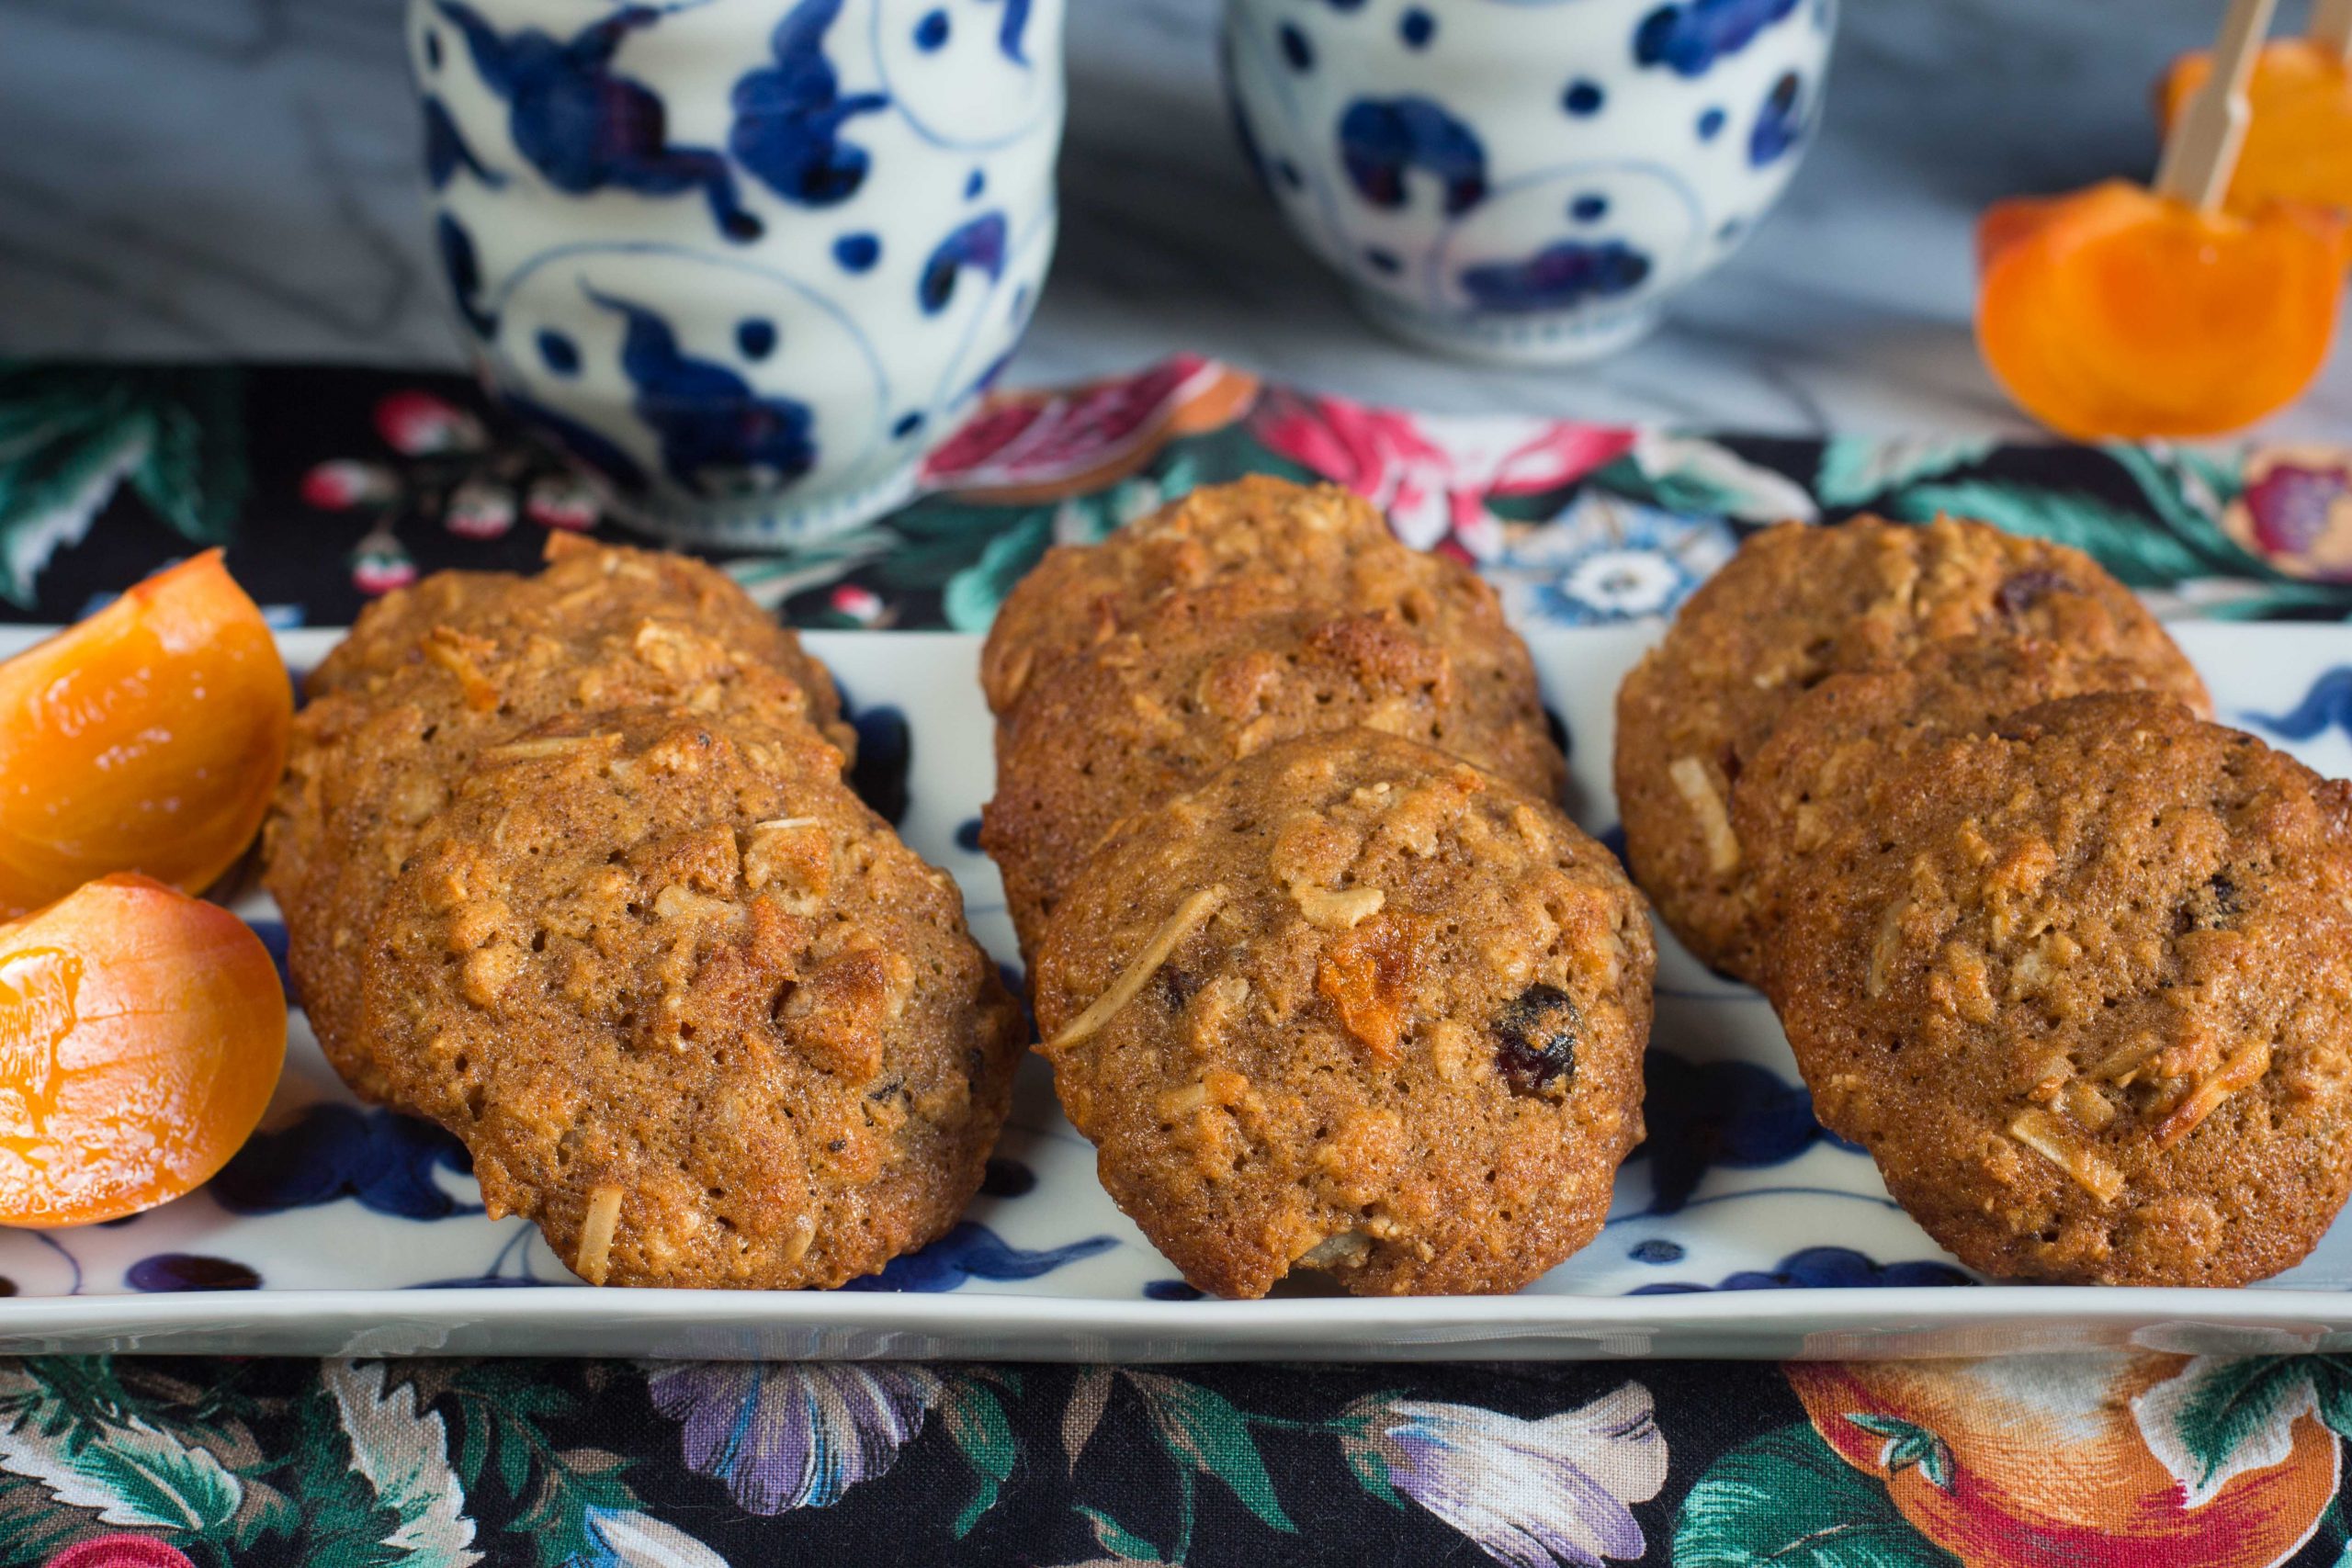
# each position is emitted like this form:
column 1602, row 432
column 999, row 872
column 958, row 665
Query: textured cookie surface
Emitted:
column 1140, row 719
column 1799, row 603
column 2083, row 987
column 432, row 676
column 693, row 1009
column 1355, row 1005
column 1812, row 778
column 1256, row 545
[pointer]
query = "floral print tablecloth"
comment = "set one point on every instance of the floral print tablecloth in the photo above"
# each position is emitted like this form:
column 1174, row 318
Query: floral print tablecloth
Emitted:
column 328, row 486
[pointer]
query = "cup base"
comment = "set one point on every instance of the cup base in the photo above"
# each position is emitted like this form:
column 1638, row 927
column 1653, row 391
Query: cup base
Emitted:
column 1566, row 338
column 772, row 523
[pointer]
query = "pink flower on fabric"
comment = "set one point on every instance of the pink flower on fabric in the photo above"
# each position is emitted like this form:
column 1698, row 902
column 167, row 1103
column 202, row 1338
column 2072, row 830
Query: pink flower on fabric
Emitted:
column 340, row 485
column 120, row 1552
column 414, row 424
column 1433, row 475
column 1532, row 1493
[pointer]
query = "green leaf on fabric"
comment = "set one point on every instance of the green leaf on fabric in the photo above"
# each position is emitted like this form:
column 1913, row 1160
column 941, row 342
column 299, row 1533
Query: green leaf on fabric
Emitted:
column 1705, row 479
column 106, row 1458
column 972, row 595
column 72, row 435
column 1113, row 1536
column 976, row 1422
column 402, row 1453
column 1908, row 1444
column 2221, row 1417
column 1202, row 1427
column 500, row 1414
column 1787, row 1499
column 1856, row 468
column 2137, row 549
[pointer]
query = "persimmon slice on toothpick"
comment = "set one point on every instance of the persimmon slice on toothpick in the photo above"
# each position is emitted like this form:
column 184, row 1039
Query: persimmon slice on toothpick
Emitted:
column 2298, row 144
column 2118, row 313
column 141, row 1033
column 146, row 739
column 2131, row 312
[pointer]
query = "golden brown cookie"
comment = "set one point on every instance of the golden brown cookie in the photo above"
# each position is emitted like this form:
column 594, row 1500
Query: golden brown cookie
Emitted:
column 1138, row 719
column 1812, row 779
column 1352, row 1004
column 694, row 1009
column 2083, row 988
column 1257, row 546
column 1799, row 603
column 375, row 752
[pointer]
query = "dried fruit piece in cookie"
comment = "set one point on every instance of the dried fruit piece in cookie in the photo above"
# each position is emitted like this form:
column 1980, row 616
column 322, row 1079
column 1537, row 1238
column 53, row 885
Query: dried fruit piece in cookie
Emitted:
column 1797, row 605
column 1141, row 718
column 2083, row 987
column 1257, row 546
column 693, row 1009
column 1352, row 1004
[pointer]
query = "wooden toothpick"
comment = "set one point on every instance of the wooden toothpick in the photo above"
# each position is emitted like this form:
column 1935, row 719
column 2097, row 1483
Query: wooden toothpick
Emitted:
column 2201, row 154
column 2332, row 26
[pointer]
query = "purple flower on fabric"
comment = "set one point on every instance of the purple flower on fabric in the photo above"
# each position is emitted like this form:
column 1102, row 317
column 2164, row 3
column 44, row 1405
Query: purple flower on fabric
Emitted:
column 785, row 1437
column 1532, row 1493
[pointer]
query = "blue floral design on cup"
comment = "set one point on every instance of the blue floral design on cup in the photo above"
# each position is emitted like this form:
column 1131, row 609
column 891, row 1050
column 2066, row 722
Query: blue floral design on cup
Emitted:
column 1524, row 180
column 743, row 259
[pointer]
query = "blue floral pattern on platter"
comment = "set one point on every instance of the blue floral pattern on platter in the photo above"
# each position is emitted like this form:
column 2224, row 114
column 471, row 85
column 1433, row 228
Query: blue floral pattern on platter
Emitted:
column 750, row 335
column 1528, row 181
column 1737, row 1188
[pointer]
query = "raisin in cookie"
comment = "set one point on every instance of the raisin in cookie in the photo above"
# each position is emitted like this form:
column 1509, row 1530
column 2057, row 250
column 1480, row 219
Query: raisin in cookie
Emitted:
column 1811, row 779
column 1257, row 546
column 375, row 754
column 1352, row 1004
column 2083, row 987
column 693, row 1009
column 1140, row 719
column 1801, row 603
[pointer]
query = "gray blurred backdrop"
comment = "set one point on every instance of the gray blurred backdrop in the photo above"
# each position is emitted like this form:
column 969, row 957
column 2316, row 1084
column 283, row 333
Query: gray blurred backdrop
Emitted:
column 238, row 177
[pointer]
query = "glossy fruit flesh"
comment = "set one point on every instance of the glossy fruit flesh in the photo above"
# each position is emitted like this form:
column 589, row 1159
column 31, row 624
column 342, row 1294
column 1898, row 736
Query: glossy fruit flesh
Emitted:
column 2114, row 312
column 146, row 739
column 2298, row 142
column 142, row 1032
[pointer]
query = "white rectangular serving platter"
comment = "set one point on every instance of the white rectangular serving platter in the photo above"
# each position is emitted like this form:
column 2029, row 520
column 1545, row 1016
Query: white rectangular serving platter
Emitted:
column 347, row 1232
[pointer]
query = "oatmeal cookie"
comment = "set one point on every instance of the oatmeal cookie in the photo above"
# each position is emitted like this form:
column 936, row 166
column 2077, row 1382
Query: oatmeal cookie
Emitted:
column 1352, row 1004
column 1140, row 719
column 694, row 1009
column 2083, row 987
column 1256, row 545
column 376, row 754
column 1812, row 777
column 1796, row 605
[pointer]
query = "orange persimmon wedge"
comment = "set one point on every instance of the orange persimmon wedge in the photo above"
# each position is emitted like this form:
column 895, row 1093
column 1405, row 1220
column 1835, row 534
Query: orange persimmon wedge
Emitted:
column 148, row 738
column 142, row 1032
column 2299, row 141
column 2117, row 312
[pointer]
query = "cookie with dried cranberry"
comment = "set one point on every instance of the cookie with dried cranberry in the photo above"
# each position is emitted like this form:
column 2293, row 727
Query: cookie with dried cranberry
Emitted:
column 1257, row 546
column 693, row 1008
column 375, row 752
column 2083, row 987
column 1795, row 606
column 1140, row 719
column 1354, row 1005
column 1812, row 778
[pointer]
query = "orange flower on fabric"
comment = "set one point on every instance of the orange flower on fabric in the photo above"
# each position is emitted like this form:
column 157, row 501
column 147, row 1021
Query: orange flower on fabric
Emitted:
column 2114, row 312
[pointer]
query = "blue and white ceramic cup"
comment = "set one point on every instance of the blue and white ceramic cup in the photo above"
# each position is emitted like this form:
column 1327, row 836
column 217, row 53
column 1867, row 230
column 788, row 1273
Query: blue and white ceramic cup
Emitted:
column 1524, row 180
column 746, row 259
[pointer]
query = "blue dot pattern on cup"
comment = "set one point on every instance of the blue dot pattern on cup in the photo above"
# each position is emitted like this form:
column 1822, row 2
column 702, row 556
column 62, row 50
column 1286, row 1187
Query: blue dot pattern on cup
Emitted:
column 1402, row 142
column 620, row 197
